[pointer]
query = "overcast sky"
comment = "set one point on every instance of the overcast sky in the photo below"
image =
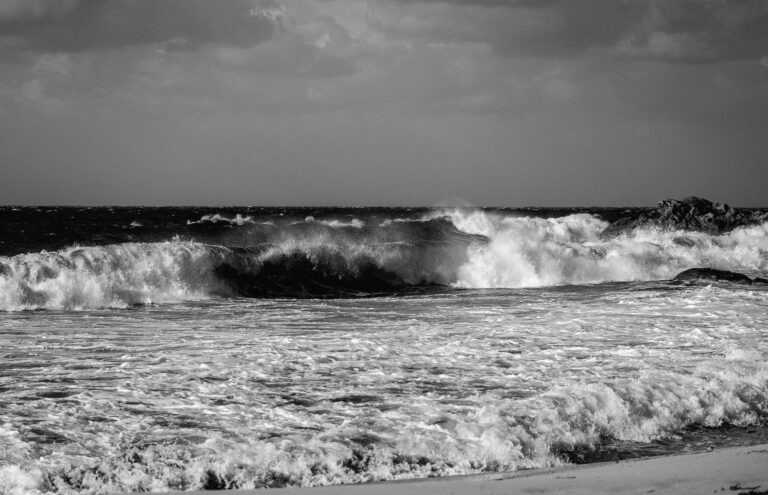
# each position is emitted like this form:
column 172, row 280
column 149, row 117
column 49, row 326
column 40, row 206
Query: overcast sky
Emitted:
column 391, row 102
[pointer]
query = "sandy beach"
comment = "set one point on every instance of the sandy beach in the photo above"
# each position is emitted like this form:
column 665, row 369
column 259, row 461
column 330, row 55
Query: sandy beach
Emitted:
column 738, row 470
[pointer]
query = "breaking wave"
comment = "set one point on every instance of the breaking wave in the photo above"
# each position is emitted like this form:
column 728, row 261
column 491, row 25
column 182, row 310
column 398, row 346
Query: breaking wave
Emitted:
column 354, row 223
column 461, row 249
column 536, row 252
column 219, row 218
column 506, row 435
column 110, row 276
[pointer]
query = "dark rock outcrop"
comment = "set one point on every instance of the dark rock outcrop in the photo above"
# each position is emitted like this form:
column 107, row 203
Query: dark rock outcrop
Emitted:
column 693, row 213
column 711, row 274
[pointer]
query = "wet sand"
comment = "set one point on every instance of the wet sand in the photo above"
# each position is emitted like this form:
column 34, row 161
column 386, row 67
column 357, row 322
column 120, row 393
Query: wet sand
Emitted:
column 738, row 470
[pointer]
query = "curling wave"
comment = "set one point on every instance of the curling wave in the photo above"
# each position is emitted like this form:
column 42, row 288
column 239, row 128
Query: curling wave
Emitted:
column 461, row 248
column 128, row 274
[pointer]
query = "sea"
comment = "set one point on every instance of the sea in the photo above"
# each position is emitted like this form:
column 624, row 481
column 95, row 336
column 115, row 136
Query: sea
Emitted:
column 155, row 349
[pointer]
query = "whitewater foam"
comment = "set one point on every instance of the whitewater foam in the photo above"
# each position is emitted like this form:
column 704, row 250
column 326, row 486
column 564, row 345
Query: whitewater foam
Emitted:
column 117, row 275
column 16, row 481
column 504, row 435
column 219, row 218
column 355, row 223
column 535, row 252
column 460, row 248
column 241, row 393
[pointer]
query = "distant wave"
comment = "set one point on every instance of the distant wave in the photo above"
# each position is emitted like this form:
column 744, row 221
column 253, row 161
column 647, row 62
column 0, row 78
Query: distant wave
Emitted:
column 460, row 248
column 219, row 218
column 354, row 223
column 240, row 220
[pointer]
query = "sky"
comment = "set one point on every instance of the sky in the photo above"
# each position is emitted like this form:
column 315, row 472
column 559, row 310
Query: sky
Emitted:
column 383, row 102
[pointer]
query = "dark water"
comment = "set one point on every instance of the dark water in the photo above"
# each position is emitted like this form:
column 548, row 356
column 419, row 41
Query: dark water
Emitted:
column 32, row 229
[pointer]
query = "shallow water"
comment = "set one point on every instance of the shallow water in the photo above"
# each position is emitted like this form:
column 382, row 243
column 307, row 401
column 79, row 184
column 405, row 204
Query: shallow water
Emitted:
column 243, row 393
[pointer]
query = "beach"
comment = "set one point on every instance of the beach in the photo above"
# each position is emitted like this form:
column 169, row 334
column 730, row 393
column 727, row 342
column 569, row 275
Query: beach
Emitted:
column 383, row 246
column 736, row 470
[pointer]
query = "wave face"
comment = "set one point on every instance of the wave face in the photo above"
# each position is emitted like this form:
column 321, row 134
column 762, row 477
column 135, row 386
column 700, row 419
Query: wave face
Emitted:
column 320, row 261
column 347, row 257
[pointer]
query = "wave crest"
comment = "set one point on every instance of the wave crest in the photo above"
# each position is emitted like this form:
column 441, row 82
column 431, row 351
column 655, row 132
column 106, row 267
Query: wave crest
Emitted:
column 536, row 252
column 219, row 218
column 117, row 275
column 461, row 248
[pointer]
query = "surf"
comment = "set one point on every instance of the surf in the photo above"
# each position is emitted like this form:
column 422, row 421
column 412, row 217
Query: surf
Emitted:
column 439, row 250
column 539, row 252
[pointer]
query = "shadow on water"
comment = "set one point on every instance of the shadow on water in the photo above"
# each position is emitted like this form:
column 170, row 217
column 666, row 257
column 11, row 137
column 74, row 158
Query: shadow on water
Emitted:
column 692, row 439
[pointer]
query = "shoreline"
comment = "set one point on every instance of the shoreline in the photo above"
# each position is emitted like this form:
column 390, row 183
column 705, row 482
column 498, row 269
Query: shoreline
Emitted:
column 731, row 470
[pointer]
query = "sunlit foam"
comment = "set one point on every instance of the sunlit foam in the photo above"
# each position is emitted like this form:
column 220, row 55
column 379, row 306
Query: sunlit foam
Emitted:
column 109, row 276
column 461, row 247
column 532, row 252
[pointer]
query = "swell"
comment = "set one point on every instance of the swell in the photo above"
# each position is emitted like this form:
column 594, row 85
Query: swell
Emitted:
column 439, row 250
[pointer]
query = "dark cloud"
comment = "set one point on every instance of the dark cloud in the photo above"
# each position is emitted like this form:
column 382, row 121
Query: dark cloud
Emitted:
column 524, row 27
column 702, row 31
column 489, row 3
column 680, row 31
column 564, row 27
column 78, row 25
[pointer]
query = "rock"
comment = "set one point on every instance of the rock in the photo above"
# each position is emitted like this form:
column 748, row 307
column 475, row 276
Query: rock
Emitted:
column 759, row 281
column 692, row 213
column 712, row 274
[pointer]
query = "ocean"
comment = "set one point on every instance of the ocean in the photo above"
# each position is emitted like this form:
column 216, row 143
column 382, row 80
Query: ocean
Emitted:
column 150, row 349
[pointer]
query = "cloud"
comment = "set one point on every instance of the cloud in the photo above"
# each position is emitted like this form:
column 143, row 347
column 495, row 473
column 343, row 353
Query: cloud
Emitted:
column 515, row 28
column 684, row 31
column 701, row 31
column 79, row 25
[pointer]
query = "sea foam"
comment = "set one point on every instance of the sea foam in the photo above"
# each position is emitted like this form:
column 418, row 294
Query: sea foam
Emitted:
column 219, row 218
column 109, row 276
column 536, row 252
column 459, row 248
column 503, row 435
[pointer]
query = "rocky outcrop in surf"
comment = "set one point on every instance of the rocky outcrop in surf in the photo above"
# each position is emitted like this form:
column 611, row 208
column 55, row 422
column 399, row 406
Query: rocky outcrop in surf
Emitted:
column 693, row 214
column 713, row 275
